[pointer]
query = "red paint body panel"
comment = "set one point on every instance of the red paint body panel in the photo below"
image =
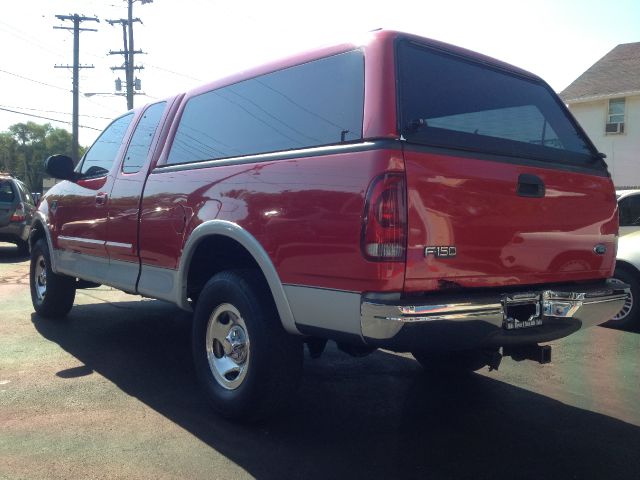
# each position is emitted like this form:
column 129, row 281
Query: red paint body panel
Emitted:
column 78, row 217
column 502, row 238
column 306, row 213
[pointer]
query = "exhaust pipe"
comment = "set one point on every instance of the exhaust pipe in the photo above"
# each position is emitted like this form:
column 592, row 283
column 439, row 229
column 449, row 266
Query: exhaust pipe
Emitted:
column 537, row 353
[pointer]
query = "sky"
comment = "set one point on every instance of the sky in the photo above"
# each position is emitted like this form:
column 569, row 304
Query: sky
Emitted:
column 190, row 42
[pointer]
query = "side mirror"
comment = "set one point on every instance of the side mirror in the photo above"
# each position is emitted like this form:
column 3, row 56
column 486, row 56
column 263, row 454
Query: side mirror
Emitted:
column 60, row 167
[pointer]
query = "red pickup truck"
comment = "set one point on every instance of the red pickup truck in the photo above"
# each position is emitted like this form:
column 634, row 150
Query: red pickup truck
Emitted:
column 398, row 193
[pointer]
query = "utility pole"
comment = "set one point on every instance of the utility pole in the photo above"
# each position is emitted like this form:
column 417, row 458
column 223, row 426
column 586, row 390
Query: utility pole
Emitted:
column 129, row 72
column 128, row 52
column 77, row 20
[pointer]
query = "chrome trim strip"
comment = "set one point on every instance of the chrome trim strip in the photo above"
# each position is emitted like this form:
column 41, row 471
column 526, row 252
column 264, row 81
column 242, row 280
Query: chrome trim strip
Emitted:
column 118, row 244
column 436, row 312
column 81, row 240
column 279, row 155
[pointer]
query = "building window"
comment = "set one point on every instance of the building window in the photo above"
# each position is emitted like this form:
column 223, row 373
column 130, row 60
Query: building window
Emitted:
column 615, row 117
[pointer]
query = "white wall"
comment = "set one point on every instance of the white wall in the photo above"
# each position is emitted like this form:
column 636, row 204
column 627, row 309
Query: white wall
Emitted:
column 623, row 151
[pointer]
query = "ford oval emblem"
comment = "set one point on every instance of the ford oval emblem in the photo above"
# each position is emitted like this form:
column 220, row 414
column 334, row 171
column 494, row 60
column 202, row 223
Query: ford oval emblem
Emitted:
column 600, row 249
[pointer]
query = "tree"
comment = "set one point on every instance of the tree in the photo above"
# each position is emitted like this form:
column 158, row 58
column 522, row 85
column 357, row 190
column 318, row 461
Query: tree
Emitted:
column 25, row 146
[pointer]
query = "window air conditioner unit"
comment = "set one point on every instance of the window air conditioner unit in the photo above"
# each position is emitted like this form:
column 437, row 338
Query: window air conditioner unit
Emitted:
column 614, row 128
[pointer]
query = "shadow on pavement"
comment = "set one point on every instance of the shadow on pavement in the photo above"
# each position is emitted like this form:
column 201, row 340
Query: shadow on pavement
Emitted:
column 9, row 253
column 376, row 417
column 632, row 329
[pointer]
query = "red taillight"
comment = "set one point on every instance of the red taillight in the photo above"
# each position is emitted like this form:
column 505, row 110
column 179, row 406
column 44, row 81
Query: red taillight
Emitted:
column 384, row 224
column 19, row 214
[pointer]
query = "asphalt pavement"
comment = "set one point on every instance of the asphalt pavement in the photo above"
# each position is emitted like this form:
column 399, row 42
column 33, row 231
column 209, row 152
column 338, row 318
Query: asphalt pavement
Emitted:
column 110, row 392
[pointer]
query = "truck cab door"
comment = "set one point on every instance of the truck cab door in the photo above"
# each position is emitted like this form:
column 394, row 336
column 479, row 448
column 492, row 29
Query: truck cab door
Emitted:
column 124, row 202
column 80, row 209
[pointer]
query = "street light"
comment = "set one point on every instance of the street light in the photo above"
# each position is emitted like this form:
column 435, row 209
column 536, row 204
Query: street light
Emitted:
column 104, row 94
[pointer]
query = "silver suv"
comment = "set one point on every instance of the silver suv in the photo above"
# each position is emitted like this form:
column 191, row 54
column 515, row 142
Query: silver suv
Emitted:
column 16, row 210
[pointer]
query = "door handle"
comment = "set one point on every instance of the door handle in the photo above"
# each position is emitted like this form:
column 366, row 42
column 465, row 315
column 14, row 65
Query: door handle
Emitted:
column 530, row 186
column 101, row 198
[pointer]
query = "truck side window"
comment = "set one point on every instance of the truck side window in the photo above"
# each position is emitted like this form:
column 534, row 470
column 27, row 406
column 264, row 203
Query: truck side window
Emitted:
column 140, row 144
column 102, row 154
column 316, row 103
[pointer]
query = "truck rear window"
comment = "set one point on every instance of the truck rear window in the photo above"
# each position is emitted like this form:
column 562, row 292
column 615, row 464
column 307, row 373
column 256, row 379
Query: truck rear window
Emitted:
column 454, row 102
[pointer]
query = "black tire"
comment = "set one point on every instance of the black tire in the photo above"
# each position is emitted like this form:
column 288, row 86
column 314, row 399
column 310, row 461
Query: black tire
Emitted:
column 52, row 295
column 23, row 247
column 452, row 363
column 629, row 315
column 268, row 360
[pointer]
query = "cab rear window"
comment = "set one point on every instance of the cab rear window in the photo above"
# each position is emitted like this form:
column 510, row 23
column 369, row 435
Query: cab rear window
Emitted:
column 455, row 102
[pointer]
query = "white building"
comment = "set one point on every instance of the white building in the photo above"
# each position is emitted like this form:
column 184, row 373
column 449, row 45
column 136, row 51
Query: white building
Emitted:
column 606, row 101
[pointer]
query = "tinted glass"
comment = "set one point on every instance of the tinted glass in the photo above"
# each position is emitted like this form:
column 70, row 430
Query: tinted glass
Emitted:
column 629, row 209
column 103, row 152
column 453, row 102
column 318, row 103
column 140, row 143
column 26, row 195
column 6, row 192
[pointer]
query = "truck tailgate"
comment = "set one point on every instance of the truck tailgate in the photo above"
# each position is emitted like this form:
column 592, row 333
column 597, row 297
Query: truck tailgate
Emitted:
column 500, row 234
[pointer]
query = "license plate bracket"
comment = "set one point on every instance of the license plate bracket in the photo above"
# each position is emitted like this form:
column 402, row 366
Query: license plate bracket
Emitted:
column 521, row 310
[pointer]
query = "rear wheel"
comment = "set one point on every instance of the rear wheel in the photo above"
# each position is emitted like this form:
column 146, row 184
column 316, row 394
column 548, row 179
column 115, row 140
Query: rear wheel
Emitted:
column 453, row 363
column 629, row 314
column 52, row 295
column 247, row 364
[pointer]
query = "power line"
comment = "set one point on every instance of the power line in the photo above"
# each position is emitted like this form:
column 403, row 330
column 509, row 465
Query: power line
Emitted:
column 54, row 111
column 102, row 105
column 47, row 118
column 34, row 81
column 58, row 88
column 172, row 72
column 27, row 38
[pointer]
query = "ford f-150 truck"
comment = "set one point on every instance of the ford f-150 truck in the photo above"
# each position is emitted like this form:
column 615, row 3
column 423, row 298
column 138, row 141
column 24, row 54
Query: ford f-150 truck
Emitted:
column 398, row 193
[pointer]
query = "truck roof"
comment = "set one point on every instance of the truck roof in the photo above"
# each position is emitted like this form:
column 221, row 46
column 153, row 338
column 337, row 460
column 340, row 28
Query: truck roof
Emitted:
column 375, row 40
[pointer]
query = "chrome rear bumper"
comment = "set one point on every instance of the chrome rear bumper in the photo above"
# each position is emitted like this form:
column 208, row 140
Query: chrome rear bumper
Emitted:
column 485, row 320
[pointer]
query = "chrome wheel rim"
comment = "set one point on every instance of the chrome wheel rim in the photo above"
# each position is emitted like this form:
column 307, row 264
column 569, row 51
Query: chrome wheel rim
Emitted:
column 228, row 347
column 40, row 278
column 626, row 308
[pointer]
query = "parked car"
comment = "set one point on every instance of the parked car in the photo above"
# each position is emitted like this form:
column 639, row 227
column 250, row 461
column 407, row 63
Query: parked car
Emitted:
column 16, row 212
column 399, row 193
column 629, row 211
column 628, row 272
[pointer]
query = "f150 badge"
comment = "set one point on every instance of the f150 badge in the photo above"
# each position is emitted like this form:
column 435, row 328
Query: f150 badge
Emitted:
column 441, row 251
